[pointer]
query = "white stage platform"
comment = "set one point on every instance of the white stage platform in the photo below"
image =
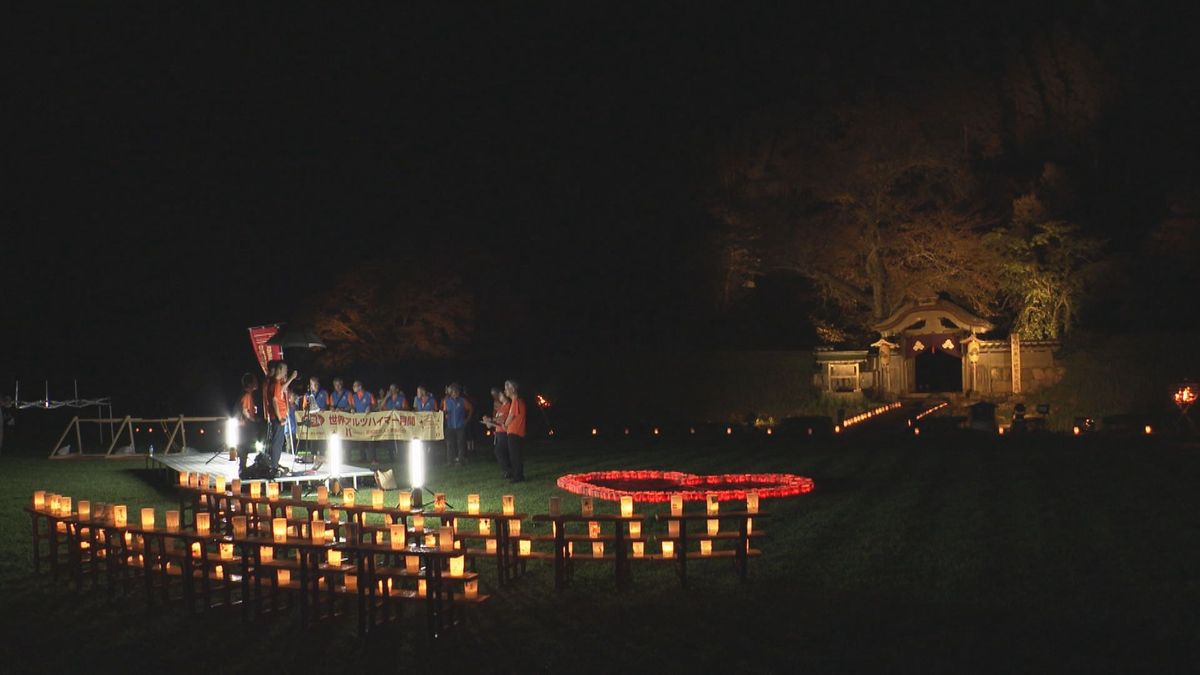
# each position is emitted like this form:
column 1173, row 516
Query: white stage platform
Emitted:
column 198, row 462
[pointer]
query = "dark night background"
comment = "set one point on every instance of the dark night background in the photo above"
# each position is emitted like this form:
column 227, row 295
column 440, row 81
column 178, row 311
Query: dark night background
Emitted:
column 177, row 175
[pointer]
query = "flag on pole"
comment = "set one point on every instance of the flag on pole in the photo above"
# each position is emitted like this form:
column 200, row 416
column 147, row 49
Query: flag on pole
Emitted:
column 259, row 335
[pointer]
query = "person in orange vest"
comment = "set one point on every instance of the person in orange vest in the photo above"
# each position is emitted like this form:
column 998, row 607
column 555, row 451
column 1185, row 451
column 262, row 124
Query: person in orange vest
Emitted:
column 514, row 425
column 249, row 423
column 276, row 405
column 500, row 406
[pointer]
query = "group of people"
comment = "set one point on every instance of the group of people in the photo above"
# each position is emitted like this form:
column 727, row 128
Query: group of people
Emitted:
column 280, row 403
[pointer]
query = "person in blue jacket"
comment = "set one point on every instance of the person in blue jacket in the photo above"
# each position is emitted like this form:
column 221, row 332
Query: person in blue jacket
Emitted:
column 339, row 398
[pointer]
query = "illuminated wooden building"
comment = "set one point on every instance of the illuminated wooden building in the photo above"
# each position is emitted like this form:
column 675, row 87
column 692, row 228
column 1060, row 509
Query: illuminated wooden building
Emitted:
column 934, row 346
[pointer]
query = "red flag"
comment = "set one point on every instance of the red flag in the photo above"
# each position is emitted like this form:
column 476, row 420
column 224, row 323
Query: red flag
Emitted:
column 263, row 351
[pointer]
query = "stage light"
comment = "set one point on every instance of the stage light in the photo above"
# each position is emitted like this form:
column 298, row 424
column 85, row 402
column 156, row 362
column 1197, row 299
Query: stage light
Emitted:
column 334, row 454
column 231, row 432
column 416, row 464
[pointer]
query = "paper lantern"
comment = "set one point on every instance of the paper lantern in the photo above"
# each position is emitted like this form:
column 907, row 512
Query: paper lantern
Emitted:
column 377, row 499
column 202, row 481
column 635, row 529
column 185, row 477
column 439, row 501
column 673, row 528
column 202, row 523
column 197, row 550
column 64, row 506
column 219, row 572
column 714, row 506
column 446, row 538
column 490, row 546
column 396, row 536
column 220, row 483
column 348, row 497
column 378, row 538
column 422, row 588
column 456, row 566
column 471, row 589
column 555, row 506
column 412, row 564
column 351, row 582
column 226, row 551
column 525, row 547
column 239, row 527
column 322, row 495
column 272, row 491
column 752, row 501
column 85, row 509
column 473, row 504
column 235, row 486
column 329, row 535
column 405, row 500
column 255, row 490
column 296, row 495
column 705, row 547
column 514, row 527
column 508, row 504
column 454, row 524
column 39, row 500
column 334, row 557
column 626, row 506
column 288, row 512
column 639, row 549
column 283, row 577
column 749, row 525
column 485, row 526
column 586, row 507
column 570, row 548
column 52, row 503
column 598, row 549
column 677, row 504
column 148, row 518
column 418, row 522
column 279, row 530
column 714, row 526
column 593, row 529
column 316, row 531
column 668, row 549
column 60, row 527
column 430, row 540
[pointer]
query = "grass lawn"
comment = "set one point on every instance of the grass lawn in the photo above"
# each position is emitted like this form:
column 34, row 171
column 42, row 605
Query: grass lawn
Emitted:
column 948, row 553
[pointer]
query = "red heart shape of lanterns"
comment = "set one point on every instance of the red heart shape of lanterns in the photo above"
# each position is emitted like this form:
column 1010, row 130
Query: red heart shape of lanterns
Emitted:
column 651, row 486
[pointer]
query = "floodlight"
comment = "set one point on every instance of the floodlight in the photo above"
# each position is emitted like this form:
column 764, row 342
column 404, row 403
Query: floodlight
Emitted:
column 416, row 464
column 334, row 454
column 231, row 432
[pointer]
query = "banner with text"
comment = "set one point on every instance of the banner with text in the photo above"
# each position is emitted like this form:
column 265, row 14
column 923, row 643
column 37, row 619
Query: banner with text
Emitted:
column 263, row 351
column 386, row 425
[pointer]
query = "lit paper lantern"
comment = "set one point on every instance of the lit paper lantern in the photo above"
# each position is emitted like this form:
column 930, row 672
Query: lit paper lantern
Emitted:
column 525, row 547
column 220, row 483
column 405, row 500
column 283, row 577
column 239, row 527
column 266, row 553
column 334, row 557
column 219, row 572
column 422, row 588
column 635, row 529
column 485, row 526
column 439, row 501
column 673, row 528
column 593, row 529
column 351, row 582
column 64, row 506
column 377, row 499
column 446, row 538
column 226, row 551
column 316, row 530
column 412, row 564
column 555, row 506
column 85, row 509
column 185, row 477
column 322, row 495
column 396, row 536
column 676, row 504
column 202, row 523
column 255, row 490
column 714, row 526
column 598, row 549
column 668, row 549
column 202, row 481
column 570, row 548
column 348, row 497
column 752, row 501
column 430, row 540
column 714, row 506
column 39, row 500
column 639, row 549
column 473, row 504
column 272, row 491
column 279, row 530
column 329, row 535
column 235, row 486
column 456, row 566
column 197, row 550
column 514, row 527
column 586, row 507
column 471, row 589
column 508, row 504
column 705, row 547
column 626, row 506
column 148, row 518
column 54, row 502
column 378, row 538
column 490, row 546
column 419, row 522
column 749, row 526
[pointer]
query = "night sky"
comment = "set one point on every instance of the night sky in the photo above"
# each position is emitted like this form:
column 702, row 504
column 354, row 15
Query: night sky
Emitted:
column 177, row 175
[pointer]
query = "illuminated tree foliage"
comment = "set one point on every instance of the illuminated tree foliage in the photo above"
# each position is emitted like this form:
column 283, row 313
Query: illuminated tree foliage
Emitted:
column 384, row 312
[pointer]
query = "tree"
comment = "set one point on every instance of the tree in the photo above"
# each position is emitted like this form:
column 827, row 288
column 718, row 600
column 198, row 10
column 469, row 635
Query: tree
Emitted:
column 389, row 311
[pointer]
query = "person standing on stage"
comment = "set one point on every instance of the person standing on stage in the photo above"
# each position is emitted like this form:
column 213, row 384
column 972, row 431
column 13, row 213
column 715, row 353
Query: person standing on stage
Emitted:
column 277, row 410
column 424, row 402
column 339, row 398
column 394, row 400
column 514, row 425
column 457, row 412
column 361, row 400
column 316, row 398
column 500, row 407
column 249, row 423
